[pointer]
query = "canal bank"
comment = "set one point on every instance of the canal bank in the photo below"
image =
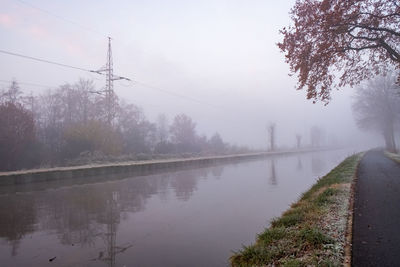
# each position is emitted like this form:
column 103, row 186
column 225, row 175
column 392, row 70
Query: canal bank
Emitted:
column 314, row 231
column 126, row 168
column 171, row 218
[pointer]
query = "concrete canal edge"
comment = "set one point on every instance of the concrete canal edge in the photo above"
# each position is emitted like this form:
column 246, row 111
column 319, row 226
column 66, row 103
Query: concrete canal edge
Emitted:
column 134, row 168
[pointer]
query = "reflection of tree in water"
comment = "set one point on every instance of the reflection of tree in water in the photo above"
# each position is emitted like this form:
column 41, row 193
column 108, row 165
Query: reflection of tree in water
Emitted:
column 201, row 172
column 17, row 219
column 273, row 180
column 317, row 164
column 79, row 215
column 184, row 183
column 299, row 164
column 162, row 186
column 88, row 214
column 72, row 213
column 217, row 171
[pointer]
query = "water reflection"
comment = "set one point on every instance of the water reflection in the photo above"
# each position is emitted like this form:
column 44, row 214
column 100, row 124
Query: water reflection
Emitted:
column 185, row 184
column 17, row 219
column 317, row 164
column 217, row 171
column 299, row 164
column 273, row 180
column 187, row 218
column 84, row 215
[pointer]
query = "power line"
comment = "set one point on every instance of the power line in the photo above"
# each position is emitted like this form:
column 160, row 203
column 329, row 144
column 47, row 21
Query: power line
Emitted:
column 26, row 83
column 114, row 77
column 128, row 86
column 176, row 95
column 62, row 18
column 47, row 61
column 98, row 71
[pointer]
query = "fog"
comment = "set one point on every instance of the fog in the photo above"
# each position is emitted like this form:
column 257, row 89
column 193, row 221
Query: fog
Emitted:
column 216, row 61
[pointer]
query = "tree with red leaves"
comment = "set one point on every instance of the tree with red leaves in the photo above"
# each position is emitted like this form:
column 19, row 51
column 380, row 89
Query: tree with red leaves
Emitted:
column 334, row 43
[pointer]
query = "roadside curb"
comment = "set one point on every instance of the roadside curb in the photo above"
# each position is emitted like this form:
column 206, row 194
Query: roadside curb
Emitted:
column 349, row 226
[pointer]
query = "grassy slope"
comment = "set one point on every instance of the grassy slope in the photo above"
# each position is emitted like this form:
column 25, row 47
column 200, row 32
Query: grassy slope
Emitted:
column 312, row 231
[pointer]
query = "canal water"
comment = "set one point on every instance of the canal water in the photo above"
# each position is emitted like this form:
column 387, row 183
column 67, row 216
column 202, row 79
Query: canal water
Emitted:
column 194, row 217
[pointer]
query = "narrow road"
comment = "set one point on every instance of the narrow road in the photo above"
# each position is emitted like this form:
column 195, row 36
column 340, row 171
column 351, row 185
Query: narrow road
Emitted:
column 376, row 228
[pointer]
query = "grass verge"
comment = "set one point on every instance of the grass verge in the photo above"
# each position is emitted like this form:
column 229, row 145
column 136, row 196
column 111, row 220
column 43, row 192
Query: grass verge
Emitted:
column 395, row 157
column 312, row 231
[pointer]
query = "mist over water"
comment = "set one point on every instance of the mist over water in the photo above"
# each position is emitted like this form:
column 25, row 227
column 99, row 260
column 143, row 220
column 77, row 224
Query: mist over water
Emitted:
column 87, row 83
column 186, row 217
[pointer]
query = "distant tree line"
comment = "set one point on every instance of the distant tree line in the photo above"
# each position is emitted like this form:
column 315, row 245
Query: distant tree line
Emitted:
column 317, row 138
column 71, row 125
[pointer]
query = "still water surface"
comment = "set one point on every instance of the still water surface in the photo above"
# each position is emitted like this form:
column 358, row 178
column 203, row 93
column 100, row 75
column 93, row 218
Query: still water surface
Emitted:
column 193, row 217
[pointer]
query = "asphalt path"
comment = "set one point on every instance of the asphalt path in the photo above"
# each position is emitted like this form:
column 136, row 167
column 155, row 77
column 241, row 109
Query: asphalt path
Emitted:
column 376, row 225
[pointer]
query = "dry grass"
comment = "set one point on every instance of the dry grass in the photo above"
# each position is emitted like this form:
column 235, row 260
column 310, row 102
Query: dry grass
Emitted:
column 312, row 231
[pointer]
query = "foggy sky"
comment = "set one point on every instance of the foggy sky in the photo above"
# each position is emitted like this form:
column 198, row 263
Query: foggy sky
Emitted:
column 221, row 53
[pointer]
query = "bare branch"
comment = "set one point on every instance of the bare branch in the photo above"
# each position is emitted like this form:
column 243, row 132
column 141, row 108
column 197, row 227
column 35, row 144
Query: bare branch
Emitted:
column 380, row 29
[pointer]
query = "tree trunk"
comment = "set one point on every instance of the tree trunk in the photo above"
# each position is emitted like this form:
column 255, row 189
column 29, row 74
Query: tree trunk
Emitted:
column 389, row 139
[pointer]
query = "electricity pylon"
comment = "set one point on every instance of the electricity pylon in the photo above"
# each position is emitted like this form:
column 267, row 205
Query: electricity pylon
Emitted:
column 110, row 78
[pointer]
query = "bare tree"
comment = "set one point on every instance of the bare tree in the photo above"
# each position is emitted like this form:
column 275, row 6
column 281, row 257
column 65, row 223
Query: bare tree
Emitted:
column 298, row 140
column 162, row 128
column 271, row 136
column 83, row 89
column 376, row 106
column 316, row 136
column 12, row 94
column 216, row 143
column 70, row 122
column 183, row 133
column 137, row 132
